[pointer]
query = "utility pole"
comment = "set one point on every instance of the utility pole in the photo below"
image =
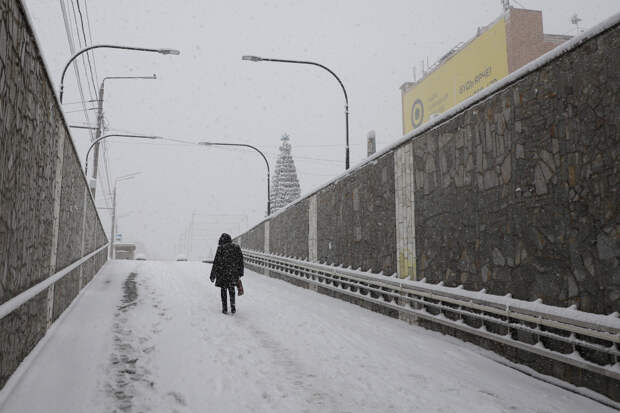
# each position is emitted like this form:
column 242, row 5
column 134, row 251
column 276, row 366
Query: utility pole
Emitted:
column 100, row 124
column 97, row 136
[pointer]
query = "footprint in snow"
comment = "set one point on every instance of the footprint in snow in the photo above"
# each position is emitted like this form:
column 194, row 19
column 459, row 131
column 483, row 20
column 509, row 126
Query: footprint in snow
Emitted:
column 178, row 397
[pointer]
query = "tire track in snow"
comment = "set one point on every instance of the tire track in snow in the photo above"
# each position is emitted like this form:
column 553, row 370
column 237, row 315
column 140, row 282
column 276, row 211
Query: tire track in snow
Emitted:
column 294, row 372
column 268, row 359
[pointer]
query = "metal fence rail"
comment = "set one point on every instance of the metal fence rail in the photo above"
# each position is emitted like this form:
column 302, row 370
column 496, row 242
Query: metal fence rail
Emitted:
column 584, row 340
column 14, row 303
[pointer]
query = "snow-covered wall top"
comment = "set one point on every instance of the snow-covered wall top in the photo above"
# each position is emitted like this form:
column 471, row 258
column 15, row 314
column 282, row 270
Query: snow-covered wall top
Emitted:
column 514, row 190
column 483, row 94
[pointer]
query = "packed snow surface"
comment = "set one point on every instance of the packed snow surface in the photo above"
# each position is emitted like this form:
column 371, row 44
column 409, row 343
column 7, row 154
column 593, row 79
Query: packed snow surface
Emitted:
column 150, row 337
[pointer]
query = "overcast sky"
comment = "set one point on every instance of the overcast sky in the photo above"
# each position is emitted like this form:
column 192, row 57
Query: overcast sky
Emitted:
column 209, row 93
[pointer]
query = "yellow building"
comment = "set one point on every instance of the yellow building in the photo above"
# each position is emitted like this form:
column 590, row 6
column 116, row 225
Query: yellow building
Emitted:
column 509, row 42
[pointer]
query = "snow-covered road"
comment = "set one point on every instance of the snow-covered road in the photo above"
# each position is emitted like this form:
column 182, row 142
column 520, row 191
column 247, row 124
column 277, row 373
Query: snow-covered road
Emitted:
column 150, row 337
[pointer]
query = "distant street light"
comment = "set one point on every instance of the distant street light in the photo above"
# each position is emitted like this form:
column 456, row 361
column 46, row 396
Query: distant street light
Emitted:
column 109, row 135
column 100, row 121
column 110, row 46
column 261, row 154
column 303, row 62
column 112, row 253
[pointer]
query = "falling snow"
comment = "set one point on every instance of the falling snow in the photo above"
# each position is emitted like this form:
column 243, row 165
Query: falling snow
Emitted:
column 150, row 337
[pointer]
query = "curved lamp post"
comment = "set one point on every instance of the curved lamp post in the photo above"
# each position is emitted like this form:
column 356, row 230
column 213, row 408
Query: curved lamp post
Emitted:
column 259, row 152
column 110, row 46
column 100, row 120
column 109, row 135
column 304, row 62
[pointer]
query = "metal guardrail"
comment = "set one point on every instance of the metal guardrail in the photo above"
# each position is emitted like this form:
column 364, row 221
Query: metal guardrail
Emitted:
column 574, row 333
column 14, row 303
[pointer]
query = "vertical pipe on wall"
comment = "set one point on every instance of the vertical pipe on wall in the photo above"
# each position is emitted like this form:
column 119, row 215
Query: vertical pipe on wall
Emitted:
column 312, row 230
column 405, row 211
column 266, row 241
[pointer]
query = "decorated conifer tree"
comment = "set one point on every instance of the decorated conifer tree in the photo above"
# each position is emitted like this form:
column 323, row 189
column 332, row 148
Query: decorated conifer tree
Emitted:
column 285, row 184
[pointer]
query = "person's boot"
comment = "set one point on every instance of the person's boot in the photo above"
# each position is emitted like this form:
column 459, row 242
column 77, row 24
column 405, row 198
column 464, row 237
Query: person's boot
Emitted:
column 224, row 310
column 233, row 309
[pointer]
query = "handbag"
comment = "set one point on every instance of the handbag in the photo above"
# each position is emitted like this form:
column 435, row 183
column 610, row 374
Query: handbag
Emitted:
column 239, row 287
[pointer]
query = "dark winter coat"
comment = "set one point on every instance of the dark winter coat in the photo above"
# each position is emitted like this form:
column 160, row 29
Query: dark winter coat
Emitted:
column 227, row 264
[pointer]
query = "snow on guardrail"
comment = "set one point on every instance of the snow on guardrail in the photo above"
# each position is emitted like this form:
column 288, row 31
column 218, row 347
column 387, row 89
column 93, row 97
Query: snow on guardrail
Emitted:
column 569, row 315
column 20, row 299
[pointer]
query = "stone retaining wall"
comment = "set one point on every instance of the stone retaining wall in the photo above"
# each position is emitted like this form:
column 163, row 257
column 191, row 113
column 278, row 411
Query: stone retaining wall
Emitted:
column 517, row 193
column 520, row 193
column 351, row 221
column 43, row 195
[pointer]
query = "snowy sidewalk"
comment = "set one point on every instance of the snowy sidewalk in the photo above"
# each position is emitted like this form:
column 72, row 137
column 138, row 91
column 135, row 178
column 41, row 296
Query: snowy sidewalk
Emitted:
column 150, row 337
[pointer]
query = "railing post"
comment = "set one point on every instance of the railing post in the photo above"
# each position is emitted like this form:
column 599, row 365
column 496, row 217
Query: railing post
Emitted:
column 429, row 303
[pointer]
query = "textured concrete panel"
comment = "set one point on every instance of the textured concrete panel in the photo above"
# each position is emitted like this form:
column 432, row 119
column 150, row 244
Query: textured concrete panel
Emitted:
column 20, row 331
column 266, row 237
column 254, row 239
column 312, row 229
column 71, row 210
column 288, row 231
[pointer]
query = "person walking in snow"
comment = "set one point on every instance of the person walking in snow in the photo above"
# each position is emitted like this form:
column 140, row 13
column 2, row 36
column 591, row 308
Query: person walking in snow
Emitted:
column 226, row 271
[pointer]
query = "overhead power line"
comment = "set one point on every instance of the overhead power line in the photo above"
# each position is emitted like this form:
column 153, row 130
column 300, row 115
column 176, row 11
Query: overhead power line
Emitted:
column 78, row 110
column 90, row 73
column 75, row 67
column 92, row 92
column 90, row 66
column 90, row 36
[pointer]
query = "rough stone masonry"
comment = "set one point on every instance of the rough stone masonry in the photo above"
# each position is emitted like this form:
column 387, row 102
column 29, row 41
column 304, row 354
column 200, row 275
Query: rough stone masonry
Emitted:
column 519, row 193
column 47, row 218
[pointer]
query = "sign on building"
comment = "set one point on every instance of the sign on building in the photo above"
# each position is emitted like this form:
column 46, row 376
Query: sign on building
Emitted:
column 512, row 40
column 482, row 62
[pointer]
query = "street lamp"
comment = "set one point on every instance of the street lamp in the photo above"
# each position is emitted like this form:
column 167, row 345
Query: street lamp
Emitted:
column 110, row 46
column 111, row 253
column 260, row 153
column 304, row 62
column 109, row 135
column 100, row 121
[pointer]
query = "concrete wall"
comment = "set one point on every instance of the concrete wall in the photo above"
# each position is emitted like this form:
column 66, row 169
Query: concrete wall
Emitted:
column 254, row 239
column 288, row 234
column 516, row 193
column 47, row 218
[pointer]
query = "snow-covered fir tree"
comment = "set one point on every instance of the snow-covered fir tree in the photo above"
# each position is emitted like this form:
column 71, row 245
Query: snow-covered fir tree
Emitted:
column 285, row 184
